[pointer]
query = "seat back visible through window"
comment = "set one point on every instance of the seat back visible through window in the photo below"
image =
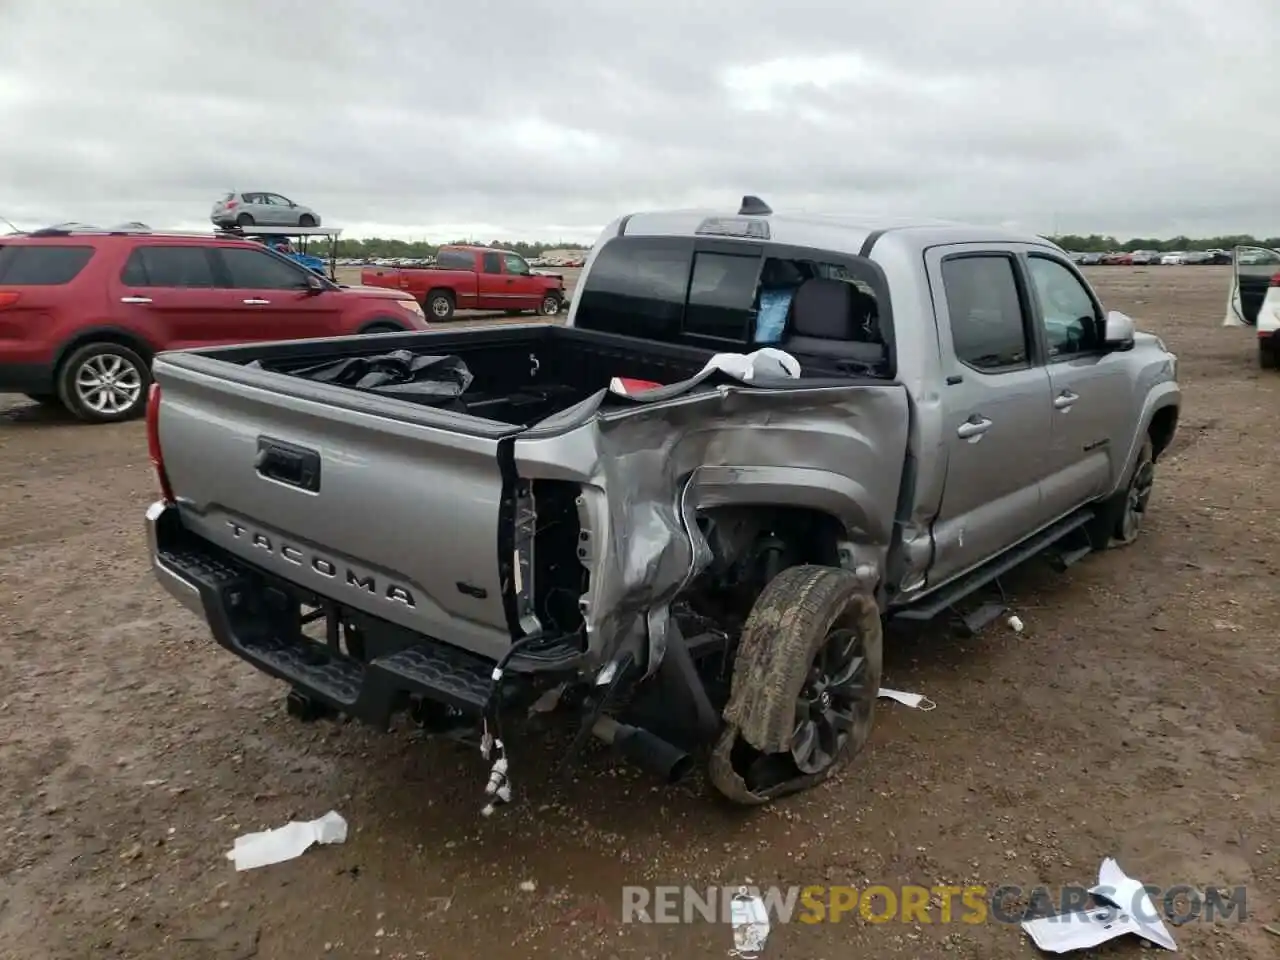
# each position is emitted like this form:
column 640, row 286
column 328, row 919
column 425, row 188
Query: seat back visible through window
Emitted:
column 833, row 318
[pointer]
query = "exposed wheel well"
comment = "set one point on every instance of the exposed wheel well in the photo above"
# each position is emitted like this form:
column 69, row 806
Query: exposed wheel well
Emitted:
column 445, row 290
column 119, row 337
column 1163, row 425
column 383, row 325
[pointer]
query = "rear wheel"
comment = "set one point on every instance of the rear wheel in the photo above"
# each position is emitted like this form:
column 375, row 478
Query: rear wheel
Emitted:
column 244, row 220
column 440, row 304
column 104, row 383
column 306, row 220
column 805, row 680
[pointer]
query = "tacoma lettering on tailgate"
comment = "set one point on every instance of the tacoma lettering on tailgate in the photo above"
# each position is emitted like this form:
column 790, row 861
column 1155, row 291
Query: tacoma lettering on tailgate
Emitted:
column 323, row 566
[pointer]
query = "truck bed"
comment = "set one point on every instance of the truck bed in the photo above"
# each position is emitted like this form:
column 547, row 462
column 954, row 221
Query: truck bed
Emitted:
column 522, row 374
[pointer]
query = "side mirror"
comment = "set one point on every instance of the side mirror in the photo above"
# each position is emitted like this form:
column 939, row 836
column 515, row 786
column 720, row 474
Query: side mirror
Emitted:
column 1118, row 331
column 315, row 284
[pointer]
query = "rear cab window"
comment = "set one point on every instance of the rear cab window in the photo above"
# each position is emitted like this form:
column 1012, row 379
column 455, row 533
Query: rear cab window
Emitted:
column 42, row 264
column 738, row 296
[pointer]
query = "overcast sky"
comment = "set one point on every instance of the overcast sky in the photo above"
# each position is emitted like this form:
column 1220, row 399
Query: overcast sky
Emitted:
column 537, row 119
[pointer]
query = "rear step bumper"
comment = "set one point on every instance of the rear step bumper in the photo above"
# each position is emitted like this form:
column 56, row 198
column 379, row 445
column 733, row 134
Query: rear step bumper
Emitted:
column 237, row 602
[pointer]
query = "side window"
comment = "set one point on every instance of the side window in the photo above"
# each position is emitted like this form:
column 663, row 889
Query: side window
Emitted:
column 636, row 287
column 721, row 293
column 492, row 263
column 1067, row 312
column 42, row 266
column 256, row 270
column 456, row 260
column 516, row 265
column 988, row 330
column 168, row 267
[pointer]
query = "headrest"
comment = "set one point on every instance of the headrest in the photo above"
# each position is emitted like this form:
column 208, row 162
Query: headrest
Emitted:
column 780, row 273
column 824, row 308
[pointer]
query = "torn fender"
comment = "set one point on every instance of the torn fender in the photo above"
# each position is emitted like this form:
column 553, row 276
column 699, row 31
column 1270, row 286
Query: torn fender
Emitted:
column 647, row 469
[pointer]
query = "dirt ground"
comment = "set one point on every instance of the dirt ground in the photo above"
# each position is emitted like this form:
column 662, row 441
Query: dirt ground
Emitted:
column 1135, row 717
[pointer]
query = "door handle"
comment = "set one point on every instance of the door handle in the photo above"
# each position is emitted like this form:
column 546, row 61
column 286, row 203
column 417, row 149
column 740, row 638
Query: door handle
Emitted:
column 973, row 428
column 1064, row 400
column 135, row 299
column 255, row 301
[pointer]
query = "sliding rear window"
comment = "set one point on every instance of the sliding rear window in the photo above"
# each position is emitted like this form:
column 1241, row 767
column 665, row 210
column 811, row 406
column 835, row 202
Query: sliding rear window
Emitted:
column 42, row 265
column 708, row 292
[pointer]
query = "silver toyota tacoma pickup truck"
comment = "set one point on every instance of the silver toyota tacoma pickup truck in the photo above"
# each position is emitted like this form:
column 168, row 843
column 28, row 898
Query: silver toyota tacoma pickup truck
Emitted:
column 601, row 521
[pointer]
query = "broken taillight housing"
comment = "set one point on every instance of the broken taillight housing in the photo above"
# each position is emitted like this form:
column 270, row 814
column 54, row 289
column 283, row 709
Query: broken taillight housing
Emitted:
column 153, row 442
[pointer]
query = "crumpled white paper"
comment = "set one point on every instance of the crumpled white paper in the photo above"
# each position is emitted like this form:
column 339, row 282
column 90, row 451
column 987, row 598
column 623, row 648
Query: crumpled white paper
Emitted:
column 287, row 842
column 916, row 700
column 767, row 362
column 750, row 921
column 1131, row 911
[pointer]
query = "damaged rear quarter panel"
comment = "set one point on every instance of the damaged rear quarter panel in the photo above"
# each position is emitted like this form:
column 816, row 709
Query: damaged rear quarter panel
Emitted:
column 646, row 469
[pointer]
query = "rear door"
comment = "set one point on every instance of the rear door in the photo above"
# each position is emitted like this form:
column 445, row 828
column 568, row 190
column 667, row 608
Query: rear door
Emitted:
column 272, row 298
column 995, row 405
column 173, row 289
column 1251, row 287
column 1092, row 395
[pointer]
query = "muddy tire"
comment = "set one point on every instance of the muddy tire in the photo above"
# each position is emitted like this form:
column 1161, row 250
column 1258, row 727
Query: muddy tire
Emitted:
column 805, row 680
column 1268, row 358
column 1120, row 518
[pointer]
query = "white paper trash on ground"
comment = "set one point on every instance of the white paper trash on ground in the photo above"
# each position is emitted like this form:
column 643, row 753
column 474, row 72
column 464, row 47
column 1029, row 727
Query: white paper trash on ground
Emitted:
column 917, row 700
column 1131, row 911
column 287, row 842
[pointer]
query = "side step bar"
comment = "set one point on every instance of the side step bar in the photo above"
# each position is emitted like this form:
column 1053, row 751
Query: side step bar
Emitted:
column 932, row 604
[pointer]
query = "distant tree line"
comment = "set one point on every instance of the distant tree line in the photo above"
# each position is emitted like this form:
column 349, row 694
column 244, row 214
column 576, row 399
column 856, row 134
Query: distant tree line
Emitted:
column 1097, row 243
column 372, row 247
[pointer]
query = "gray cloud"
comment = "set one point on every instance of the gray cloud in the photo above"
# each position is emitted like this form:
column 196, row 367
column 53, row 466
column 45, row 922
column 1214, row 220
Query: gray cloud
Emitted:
column 536, row 119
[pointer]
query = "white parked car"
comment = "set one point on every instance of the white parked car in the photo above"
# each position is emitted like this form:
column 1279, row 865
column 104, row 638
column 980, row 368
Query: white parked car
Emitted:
column 1173, row 259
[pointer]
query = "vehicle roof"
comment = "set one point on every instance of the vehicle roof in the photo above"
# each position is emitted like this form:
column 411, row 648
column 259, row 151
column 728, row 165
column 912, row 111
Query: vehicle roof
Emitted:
column 477, row 248
column 95, row 233
column 838, row 233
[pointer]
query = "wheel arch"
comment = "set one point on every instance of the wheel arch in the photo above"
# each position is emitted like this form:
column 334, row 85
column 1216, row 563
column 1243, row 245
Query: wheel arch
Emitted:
column 104, row 334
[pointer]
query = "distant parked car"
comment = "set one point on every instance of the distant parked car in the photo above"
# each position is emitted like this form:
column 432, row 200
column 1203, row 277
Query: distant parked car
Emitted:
column 1119, row 259
column 1145, row 258
column 262, row 209
column 1091, row 259
column 1176, row 258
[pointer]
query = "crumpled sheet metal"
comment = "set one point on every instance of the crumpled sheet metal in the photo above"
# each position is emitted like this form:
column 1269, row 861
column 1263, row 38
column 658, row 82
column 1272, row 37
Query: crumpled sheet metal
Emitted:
column 648, row 466
column 433, row 380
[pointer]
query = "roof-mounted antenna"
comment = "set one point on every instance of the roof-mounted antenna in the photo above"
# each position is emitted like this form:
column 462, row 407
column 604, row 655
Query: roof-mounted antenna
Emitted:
column 754, row 207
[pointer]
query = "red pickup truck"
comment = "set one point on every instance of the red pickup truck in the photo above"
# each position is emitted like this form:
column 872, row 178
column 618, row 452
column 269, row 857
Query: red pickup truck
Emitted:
column 473, row 278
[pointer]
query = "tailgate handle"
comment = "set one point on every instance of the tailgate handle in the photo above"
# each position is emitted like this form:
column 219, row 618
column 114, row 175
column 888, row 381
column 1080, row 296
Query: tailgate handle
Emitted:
column 288, row 464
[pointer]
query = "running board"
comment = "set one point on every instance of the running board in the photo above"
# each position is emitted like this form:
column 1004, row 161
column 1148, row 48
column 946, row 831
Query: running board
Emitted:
column 945, row 597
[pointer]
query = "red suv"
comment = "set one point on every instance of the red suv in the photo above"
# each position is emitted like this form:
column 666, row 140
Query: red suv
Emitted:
column 82, row 312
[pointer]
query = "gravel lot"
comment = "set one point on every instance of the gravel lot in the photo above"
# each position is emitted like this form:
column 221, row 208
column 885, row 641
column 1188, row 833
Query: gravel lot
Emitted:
column 1135, row 717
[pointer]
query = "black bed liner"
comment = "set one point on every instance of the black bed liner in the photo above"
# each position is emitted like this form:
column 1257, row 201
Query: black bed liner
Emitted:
column 514, row 374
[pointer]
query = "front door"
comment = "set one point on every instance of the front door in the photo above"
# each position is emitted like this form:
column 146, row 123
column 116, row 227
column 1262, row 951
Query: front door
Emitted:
column 1092, row 395
column 1255, row 267
column 273, row 299
column 174, row 291
column 525, row 291
column 994, row 408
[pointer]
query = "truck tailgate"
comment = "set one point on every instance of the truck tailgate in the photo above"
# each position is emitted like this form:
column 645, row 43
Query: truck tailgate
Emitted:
column 388, row 515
